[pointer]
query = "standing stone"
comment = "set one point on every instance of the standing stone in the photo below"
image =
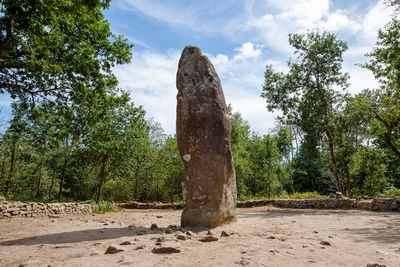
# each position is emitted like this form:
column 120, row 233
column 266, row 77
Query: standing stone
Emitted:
column 203, row 131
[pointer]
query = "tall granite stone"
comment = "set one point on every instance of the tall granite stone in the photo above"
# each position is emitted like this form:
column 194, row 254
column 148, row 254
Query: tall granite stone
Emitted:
column 203, row 131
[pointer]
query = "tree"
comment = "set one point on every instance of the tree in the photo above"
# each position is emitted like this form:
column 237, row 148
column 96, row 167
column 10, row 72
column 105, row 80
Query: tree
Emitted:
column 306, row 94
column 57, row 48
column 384, row 103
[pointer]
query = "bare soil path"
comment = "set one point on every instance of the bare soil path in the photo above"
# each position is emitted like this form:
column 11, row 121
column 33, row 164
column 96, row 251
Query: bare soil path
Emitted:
column 262, row 236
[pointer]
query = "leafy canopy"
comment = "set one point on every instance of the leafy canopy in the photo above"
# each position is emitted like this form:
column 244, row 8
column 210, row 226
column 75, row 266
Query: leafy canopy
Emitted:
column 57, row 47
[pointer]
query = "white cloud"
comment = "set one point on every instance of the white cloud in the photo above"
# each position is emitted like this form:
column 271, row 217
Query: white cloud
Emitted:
column 151, row 80
column 261, row 29
column 248, row 50
column 376, row 18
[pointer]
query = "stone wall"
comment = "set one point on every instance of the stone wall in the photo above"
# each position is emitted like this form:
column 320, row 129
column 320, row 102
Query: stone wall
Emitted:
column 376, row 204
column 10, row 209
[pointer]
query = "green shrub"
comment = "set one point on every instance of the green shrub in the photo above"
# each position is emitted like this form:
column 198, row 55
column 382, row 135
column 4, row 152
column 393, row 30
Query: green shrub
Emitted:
column 392, row 192
column 104, row 206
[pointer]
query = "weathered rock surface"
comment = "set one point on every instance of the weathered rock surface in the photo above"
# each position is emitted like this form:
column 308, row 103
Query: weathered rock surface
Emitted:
column 203, row 133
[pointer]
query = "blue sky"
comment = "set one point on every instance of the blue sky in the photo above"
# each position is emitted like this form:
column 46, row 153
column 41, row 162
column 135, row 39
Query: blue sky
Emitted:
column 240, row 37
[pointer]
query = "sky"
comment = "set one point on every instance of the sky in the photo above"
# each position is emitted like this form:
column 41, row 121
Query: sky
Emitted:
column 240, row 37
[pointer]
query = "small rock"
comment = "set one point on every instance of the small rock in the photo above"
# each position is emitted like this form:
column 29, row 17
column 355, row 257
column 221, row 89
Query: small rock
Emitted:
column 339, row 195
column 159, row 216
column 167, row 247
column 224, row 234
column 271, row 237
column 210, row 232
column 172, row 226
column 153, row 226
column 315, row 232
column 189, row 233
column 325, row 243
column 209, row 238
column 243, row 262
column 161, row 239
column 183, row 237
column 169, row 231
column 126, row 243
column 140, row 247
column 375, row 265
column 142, row 232
column 54, row 216
column 114, row 249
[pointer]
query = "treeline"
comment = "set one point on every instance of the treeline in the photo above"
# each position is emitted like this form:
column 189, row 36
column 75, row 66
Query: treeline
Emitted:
column 75, row 136
column 97, row 149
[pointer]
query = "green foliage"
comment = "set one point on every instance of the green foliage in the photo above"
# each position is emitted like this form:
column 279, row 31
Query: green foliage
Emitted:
column 305, row 195
column 306, row 94
column 368, row 171
column 57, row 48
column 104, row 207
column 392, row 192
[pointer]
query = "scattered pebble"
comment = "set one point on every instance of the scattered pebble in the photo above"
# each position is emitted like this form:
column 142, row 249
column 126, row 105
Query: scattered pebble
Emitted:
column 167, row 247
column 224, row 234
column 209, row 238
column 153, row 226
column 140, row 247
column 325, row 243
column 169, row 231
column 189, row 233
column 126, row 243
column 183, row 237
column 210, row 232
column 114, row 249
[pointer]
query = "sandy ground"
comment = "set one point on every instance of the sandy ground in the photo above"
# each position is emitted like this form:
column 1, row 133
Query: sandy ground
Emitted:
column 262, row 236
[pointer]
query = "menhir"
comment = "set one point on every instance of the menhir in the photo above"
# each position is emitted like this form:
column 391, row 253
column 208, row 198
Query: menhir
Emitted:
column 203, row 131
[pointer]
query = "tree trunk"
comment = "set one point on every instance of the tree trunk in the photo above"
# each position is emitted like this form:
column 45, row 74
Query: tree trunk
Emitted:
column 62, row 180
column 39, row 181
column 388, row 137
column 333, row 159
column 102, row 177
column 12, row 165
column 3, row 167
column 346, row 169
column 52, row 183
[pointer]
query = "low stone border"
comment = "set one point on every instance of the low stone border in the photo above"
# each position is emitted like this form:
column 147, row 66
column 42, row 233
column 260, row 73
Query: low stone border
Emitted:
column 10, row 209
column 376, row 204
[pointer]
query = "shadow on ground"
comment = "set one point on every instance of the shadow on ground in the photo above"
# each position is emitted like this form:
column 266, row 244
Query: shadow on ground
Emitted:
column 81, row 236
column 387, row 230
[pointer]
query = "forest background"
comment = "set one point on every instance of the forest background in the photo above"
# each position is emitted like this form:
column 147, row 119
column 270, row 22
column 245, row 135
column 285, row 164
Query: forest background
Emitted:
column 75, row 136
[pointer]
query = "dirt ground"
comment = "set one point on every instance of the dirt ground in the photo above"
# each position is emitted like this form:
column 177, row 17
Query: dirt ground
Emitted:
column 261, row 236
